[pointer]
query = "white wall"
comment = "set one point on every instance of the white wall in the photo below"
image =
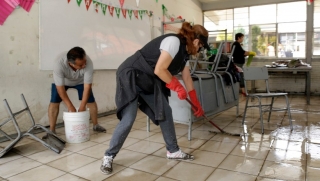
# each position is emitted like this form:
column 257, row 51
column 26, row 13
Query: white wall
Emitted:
column 19, row 52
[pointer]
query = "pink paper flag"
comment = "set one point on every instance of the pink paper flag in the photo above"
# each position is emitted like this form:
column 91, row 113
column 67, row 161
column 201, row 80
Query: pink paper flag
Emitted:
column 26, row 4
column 5, row 11
column 88, row 3
column 124, row 13
column 135, row 12
column 111, row 8
column 13, row 3
column 121, row 3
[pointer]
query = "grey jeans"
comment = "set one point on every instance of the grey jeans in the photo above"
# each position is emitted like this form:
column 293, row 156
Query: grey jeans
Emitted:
column 241, row 74
column 128, row 117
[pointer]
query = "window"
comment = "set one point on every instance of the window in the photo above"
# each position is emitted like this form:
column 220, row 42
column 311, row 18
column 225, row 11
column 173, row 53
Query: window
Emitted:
column 263, row 14
column 316, row 24
column 275, row 30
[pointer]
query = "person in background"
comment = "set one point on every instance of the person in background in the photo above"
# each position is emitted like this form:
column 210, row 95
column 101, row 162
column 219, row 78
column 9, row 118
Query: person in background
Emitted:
column 271, row 50
column 239, row 57
column 73, row 70
column 145, row 79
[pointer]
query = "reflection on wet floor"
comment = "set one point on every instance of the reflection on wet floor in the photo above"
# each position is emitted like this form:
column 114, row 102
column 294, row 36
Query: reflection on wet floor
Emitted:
column 277, row 155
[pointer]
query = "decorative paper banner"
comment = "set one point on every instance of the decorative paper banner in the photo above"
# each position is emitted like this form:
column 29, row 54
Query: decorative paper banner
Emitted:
column 310, row 2
column 88, row 3
column 13, row 3
column 26, row 4
column 141, row 12
column 130, row 13
column 121, row 3
column 104, row 8
column 5, row 11
column 124, row 13
column 137, row 1
column 135, row 12
column 111, row 8
column 96, row 6
column 166, row 14
column 117, row 11
column 79, row 2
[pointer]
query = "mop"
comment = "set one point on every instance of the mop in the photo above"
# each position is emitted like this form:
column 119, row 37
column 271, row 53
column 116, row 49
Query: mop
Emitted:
column 207, row 119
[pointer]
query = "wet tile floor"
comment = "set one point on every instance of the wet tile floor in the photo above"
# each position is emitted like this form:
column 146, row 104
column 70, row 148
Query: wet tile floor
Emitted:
column 279, row 154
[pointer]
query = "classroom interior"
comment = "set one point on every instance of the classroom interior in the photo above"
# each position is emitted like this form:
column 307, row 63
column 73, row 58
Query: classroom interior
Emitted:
column 290, row 26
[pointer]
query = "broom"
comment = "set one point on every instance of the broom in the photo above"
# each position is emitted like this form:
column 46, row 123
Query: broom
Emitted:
column 207, row 119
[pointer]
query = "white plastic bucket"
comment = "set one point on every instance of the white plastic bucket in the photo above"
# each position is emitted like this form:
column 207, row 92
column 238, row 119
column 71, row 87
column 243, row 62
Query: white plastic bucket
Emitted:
column 76, row 125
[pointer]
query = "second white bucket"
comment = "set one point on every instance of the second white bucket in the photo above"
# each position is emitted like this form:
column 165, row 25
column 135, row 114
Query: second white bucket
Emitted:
column 76, row 125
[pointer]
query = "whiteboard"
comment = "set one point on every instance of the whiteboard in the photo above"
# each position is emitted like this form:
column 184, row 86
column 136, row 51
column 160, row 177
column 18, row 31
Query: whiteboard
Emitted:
column 107, row 40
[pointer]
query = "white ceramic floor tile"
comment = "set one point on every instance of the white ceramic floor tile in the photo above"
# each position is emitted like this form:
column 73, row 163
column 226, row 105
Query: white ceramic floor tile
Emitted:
column 43, row 173
column 71, row 162
column 96, row 151
column 276, row 170
column 217, row 146
column 128, row 157
column 249, row 151
column 146, row 147
column 10, row 169
column 226, row 175
column 79, row 146
column 92, row 171
column 153, row 164
column 9, row 157
column 69, row 177
column 129, row 174
column 186, row 171
column 48, row 156
column 29, row 149
column 101, row 137
column 193, row 143
column 208, row 158
column 242, row 164
column 313, row 174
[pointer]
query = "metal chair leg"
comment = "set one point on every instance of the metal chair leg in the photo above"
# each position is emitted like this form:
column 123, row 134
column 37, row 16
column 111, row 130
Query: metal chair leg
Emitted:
column 245, row 111
column 270, row 109
column 261, row 115
column 289, row 112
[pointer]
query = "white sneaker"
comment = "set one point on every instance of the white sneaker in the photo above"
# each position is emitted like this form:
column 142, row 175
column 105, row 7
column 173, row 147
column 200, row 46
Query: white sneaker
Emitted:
column 179, row 155
column 106, row 166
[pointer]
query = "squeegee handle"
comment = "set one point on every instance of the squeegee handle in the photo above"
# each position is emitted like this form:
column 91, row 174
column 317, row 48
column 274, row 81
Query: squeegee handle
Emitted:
column 205, row 117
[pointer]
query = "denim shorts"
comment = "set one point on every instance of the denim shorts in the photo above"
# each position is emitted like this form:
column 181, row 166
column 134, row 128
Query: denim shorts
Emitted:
column 55, row 98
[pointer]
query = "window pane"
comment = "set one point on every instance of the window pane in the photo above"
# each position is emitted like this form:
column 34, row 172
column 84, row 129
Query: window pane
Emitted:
column 292, row 12
column 292, row 39
column 292, row 27
column 241, row 16
column 220, row 20
column 263, row 40
column 316, row 42
column 245, row 31
column 316, row 20
column 263, row 14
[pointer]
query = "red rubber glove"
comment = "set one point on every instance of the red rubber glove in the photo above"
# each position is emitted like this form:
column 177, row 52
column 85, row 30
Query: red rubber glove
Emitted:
column 198, row 111
column 176, row 86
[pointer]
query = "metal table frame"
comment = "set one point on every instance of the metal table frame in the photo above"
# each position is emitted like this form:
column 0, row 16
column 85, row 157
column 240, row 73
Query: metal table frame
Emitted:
column 294, row 71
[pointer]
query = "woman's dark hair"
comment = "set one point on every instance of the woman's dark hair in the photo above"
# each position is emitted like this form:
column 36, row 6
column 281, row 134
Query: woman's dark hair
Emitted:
column 75, row 53
column 189, row 33
column 238, row 35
